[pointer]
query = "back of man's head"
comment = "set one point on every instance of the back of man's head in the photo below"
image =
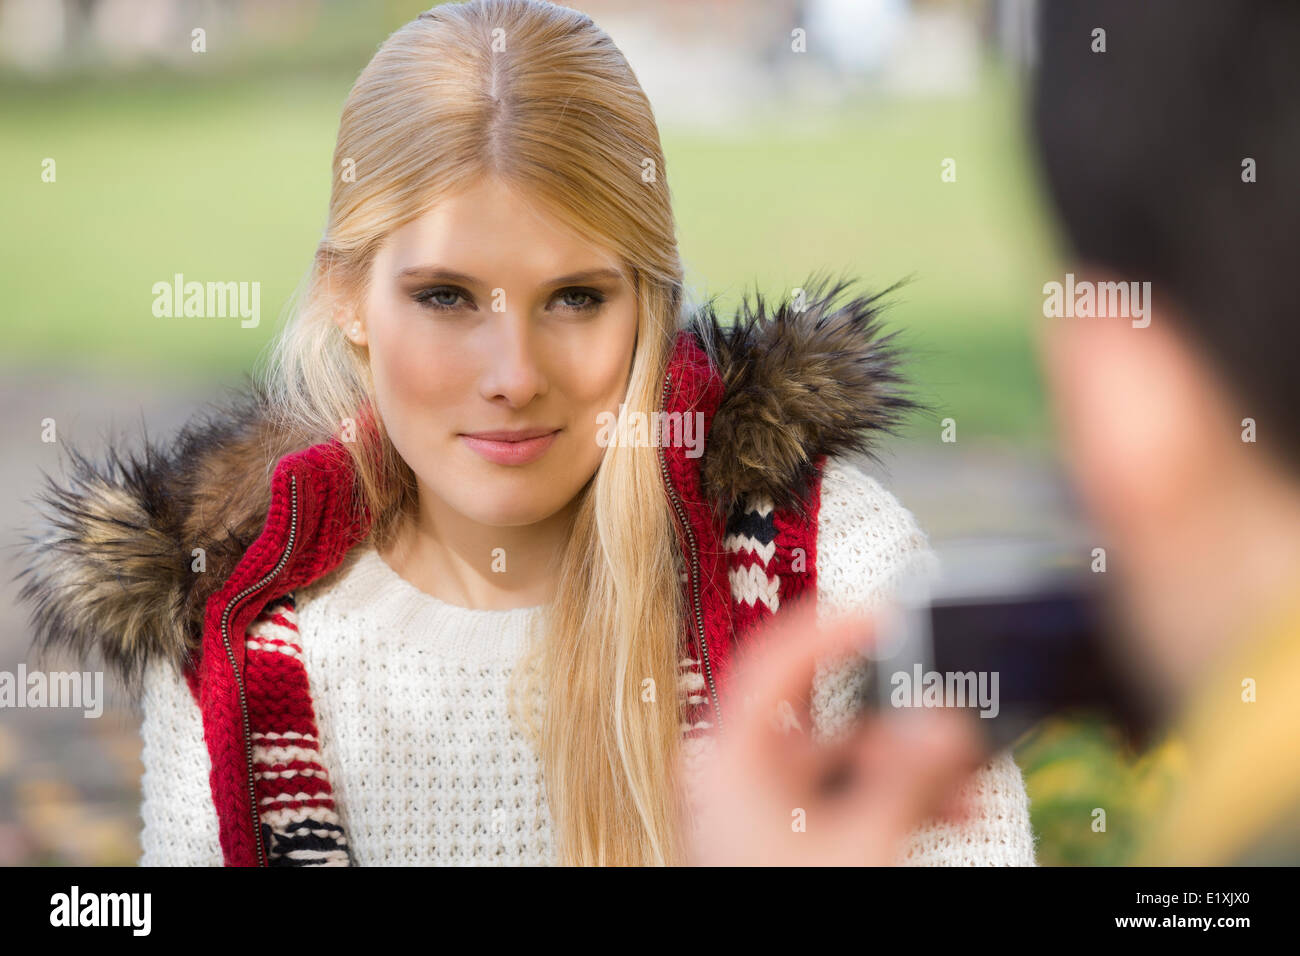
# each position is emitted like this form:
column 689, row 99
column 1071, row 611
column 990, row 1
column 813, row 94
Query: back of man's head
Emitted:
column 1171, row 158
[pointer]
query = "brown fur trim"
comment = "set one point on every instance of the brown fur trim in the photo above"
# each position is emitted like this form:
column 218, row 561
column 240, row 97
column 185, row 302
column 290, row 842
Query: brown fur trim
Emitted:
column 108, row 568
column 798, row 384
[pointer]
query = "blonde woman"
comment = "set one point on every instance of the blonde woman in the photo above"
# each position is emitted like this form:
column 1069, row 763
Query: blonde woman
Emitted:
column 460, row 580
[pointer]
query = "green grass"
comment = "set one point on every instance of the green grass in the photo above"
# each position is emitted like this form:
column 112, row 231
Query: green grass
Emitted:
column 863, row 195
column 216, row 182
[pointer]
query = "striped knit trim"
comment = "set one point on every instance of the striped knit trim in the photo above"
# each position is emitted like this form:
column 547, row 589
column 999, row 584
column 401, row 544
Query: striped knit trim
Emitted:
column 771, row 556
column 771, row 560
column 751, row 548
column 294, row 799
column 693, row 697
column 752, row 570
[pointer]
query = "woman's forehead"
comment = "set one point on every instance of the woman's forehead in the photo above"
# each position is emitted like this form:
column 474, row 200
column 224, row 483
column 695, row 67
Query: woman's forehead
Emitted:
column 485, row 235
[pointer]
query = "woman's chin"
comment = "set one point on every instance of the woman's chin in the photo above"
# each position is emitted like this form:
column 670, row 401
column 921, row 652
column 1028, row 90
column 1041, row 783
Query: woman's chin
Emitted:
column 506, row 510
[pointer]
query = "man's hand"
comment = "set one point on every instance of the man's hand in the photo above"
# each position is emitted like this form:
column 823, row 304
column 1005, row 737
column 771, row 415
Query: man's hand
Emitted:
column 769, row 795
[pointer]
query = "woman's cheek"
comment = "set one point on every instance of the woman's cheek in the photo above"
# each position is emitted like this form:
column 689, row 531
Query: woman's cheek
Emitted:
column 606, row 373
column 413, row 380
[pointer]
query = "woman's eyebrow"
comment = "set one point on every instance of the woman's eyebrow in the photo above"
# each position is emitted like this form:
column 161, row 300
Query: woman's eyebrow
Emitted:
column 437, row 273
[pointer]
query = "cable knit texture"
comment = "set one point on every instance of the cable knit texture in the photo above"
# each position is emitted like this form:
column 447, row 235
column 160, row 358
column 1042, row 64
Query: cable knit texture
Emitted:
column 424, row 763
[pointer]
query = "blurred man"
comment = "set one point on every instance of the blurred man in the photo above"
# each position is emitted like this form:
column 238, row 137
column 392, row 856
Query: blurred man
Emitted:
column 1169, row 134
column 1171, row 158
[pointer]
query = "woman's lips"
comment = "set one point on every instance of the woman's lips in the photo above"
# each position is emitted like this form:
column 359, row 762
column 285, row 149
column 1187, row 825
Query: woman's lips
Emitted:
column 510, row 452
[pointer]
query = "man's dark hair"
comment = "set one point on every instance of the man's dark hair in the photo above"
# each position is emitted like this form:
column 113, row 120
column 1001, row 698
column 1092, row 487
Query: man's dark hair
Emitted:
column 1142, row 150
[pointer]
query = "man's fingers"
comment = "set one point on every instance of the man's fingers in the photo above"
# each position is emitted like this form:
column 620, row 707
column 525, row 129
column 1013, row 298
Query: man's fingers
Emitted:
column 780, row 659
column 770, row 687
column 910, row 767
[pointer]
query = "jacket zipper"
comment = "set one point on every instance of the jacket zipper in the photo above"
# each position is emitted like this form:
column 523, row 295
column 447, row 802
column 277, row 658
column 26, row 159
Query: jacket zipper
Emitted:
column 694, row 567
column 239, row 678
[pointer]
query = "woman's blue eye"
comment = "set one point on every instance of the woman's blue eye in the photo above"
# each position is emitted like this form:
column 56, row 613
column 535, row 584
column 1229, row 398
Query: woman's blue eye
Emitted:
column 445, row 299
column 430, row 298
column 594, row 299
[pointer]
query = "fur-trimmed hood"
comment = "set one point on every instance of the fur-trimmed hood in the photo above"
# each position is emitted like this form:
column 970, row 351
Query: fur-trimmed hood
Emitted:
column 108, row 566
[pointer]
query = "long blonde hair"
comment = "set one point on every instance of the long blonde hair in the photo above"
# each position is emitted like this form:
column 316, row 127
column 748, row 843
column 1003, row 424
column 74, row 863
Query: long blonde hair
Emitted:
column 537, row 95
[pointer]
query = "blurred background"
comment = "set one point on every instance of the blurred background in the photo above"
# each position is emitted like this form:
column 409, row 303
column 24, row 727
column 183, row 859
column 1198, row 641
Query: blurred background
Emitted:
column 891, row 146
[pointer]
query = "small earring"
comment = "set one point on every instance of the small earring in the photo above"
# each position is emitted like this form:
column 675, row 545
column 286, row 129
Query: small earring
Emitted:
column 356, row 329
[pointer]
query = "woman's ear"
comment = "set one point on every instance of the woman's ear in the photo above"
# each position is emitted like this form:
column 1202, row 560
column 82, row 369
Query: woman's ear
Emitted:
column 352, row 327
column 345, row 308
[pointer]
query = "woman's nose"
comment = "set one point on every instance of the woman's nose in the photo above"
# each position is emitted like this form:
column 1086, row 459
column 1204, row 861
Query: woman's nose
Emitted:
column 511, row 366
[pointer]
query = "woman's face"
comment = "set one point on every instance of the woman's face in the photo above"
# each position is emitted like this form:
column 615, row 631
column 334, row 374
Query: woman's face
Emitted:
column 485, row 315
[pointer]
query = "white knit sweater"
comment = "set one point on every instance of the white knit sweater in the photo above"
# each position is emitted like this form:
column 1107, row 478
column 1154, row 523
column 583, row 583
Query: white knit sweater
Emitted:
column 426, row 767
